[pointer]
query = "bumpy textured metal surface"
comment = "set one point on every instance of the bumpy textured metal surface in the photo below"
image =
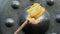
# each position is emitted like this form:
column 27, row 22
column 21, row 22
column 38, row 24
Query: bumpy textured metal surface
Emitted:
column 6, row 11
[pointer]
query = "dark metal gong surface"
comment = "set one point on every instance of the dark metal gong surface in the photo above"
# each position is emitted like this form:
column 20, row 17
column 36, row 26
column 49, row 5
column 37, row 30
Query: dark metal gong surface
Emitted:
column 6, row 11
column 40, row 28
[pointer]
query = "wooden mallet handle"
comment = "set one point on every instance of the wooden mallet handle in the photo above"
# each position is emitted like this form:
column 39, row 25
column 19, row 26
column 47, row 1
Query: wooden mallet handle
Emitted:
column 21, row 27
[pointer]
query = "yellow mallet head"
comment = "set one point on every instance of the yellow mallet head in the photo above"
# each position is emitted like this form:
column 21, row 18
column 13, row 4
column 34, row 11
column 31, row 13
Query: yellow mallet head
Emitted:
column 36, row 10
